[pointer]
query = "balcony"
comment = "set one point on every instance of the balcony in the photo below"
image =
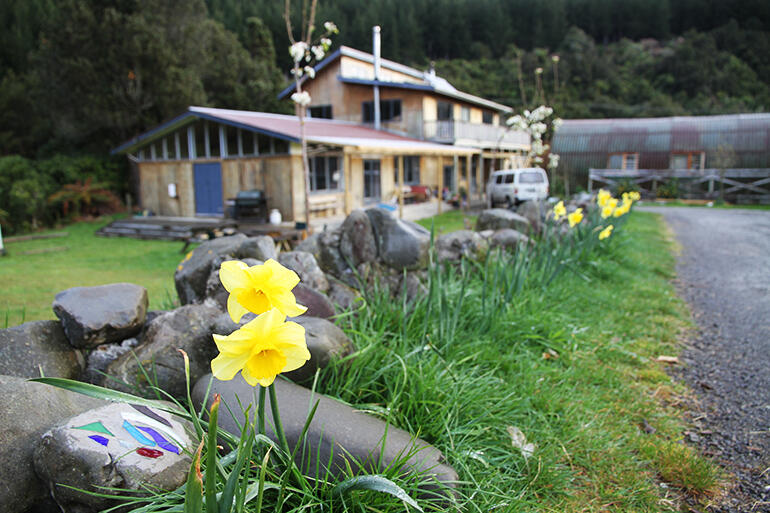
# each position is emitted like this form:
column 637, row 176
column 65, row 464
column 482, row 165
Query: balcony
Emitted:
column 477, row 135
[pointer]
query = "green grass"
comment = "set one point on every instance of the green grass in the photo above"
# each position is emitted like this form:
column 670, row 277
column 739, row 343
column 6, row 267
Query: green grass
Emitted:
column 449, row 221
column 30, row 282
column 459, row 374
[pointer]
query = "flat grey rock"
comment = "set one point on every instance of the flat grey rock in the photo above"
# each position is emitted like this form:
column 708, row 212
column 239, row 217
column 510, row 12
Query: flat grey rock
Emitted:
column 310, row 245
column 102, row 356
column 100, row 315
column 534, row 211
column 307, row 268
column 330, row 258
column 342, row 295
column 29, row 409
column 460, row 244
column 317, row 303
column 498, row 218
column 114, row 446
column 261, row 247
column 188, row 328
column 400, row 244
column 338, row 434
column 32, row 347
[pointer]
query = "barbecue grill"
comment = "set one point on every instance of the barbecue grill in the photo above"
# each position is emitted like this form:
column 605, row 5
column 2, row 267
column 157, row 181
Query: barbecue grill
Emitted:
column 252, row 205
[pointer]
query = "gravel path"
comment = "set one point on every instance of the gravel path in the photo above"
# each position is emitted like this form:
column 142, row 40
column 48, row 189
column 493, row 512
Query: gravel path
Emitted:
column 724, row 274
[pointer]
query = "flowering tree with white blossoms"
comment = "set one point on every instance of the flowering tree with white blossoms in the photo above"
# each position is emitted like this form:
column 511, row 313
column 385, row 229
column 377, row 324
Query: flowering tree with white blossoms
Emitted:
column 540, row 125
column 304, row 52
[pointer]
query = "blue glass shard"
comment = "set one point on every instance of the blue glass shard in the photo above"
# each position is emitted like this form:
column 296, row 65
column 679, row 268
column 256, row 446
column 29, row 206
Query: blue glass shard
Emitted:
column 162, row 442
column 99, row 439
column 138, row 436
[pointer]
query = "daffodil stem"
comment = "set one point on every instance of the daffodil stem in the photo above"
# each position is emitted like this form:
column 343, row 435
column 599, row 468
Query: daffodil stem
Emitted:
column 261, row 410
column 277, row 420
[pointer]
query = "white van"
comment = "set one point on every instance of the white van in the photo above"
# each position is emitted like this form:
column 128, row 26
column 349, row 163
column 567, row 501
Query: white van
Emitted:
column 512, row 186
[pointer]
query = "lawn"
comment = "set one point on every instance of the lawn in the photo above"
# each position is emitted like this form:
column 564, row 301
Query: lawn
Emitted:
column 31, row 281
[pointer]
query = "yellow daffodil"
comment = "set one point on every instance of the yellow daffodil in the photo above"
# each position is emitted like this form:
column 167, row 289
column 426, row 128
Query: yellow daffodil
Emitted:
column 625, row 197
column 623, row 209
column 602, row 196
column 575, row 217
column 605, row 233
column 261, row 349
column 559, row 211
column 634, row 195
column 609, row 207
column 259, row 288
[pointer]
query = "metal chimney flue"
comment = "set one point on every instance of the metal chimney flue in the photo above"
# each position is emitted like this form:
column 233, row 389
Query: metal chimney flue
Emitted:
column 376, row 54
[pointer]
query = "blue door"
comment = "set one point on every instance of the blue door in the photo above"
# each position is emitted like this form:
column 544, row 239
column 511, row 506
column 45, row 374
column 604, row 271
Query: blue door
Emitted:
column 208, row 189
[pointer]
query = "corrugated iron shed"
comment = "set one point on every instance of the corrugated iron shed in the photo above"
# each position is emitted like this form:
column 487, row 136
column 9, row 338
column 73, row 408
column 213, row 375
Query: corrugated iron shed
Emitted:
column 587, row 143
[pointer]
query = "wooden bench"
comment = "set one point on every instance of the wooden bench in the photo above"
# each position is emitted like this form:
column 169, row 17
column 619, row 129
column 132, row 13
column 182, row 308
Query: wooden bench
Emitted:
column 322, row 205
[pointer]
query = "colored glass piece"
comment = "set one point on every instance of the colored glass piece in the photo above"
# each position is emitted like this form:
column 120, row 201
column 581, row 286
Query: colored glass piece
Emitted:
column 147, row 411
column 150, row 453
column 99, row 439
column 138, row 436
column 162, row 442
column 97, row 427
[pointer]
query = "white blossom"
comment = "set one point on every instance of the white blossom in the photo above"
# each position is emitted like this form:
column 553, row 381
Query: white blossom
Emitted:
column 297, row 50
column 310, row 71
column 302, row 98
column 553, row 161
column 326, row 42
column 318, row 52
column 557, row 122
column 330, row 27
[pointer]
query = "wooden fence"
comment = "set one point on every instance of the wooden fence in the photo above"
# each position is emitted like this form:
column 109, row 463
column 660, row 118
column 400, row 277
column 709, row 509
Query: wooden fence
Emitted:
column 738, row 185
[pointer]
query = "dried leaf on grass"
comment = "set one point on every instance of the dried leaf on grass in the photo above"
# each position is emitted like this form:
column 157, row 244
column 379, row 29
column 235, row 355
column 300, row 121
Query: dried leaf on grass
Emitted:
column 519, row 441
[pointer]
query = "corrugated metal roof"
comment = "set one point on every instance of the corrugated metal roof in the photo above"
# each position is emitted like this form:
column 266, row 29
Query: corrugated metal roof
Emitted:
column 588, row 142
column 324, row 131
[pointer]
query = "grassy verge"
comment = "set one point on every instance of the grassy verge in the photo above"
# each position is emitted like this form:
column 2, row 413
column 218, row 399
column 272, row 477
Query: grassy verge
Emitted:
column 450, row 221
column 30, row 281
column 703, row 203
column 571, row 365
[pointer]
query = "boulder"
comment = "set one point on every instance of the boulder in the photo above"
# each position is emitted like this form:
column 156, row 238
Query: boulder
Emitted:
column 400, row 244
column 261, row 247
column 498, row 218
column 338, row 434
column 331, row 260
column 224, row 325
column 508, row 238
column 534, row 212
column 342, row 295
column 100, row 315
column 114, row 446
column 306, row 267
column 193, row 272
column 310, row 245
column 188, row 328
column 29, row 409
column 454, row 246
column 317, row 303
column 357, row 244
column 325, row 341
column 102, row 356
column 33, row 347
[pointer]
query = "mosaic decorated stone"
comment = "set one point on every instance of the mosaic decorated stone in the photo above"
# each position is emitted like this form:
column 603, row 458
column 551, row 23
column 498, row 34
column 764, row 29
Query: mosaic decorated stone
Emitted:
column 115, row 446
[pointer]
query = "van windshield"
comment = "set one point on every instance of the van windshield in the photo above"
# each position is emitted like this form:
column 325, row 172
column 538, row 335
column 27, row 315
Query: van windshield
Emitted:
column 531, row 177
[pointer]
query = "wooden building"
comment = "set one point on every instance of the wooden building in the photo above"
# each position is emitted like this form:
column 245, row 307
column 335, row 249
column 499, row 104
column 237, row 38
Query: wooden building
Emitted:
column 191, row 165
column 418, row 104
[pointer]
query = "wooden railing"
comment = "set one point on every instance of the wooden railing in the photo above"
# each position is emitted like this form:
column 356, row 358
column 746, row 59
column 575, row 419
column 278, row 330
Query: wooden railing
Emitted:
column 744, row 185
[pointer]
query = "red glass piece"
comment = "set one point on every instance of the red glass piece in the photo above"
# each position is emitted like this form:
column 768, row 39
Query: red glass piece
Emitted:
column 149, row 453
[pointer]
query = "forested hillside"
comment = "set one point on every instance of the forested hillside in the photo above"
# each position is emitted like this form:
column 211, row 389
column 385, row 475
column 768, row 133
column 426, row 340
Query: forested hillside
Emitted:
column 77, row 77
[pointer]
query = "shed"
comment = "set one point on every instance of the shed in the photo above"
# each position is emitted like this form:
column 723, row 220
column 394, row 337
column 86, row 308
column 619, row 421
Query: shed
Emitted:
column 192, row 164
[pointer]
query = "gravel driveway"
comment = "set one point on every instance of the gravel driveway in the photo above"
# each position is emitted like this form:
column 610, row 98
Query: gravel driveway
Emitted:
column 724, row 274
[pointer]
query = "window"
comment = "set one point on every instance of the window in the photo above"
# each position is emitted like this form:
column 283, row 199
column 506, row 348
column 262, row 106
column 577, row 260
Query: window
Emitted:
column 508, row 178
column 371, row 179
column 687, row 160
column 389, row 110
column 530, row 177
column 499, row 179
column 487, row 117
column 321, row 112
column 411, row 170
column 623, row 161
column 465, row 113
column 325, row 174
column 444, row 111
